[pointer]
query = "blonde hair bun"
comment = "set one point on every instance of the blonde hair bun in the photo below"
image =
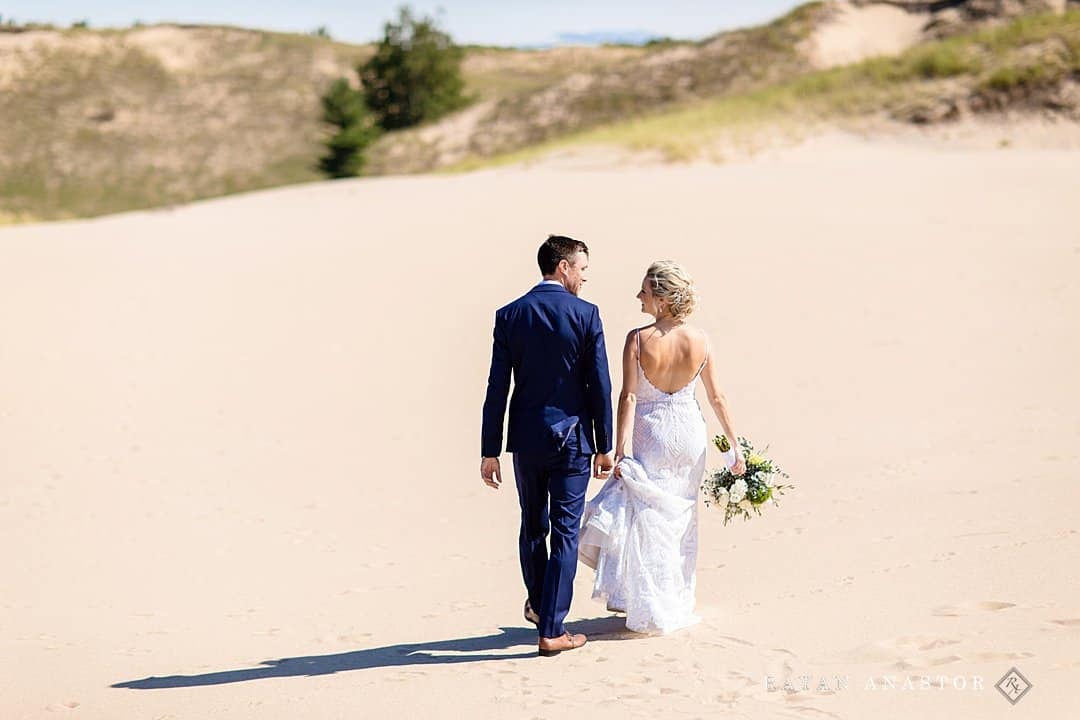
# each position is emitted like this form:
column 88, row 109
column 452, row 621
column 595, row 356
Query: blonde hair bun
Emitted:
column 672, row 284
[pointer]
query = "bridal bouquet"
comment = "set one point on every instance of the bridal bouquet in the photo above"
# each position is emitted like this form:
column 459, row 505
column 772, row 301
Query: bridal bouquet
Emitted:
column 739, row 494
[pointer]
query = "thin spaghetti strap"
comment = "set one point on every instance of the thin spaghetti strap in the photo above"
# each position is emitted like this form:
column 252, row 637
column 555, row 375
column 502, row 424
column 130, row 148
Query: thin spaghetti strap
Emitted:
column 637, row 335
column 706, row 356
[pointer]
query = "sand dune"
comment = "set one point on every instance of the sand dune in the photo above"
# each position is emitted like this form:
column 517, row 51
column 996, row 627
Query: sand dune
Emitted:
column 238, row 444
column 855, row 33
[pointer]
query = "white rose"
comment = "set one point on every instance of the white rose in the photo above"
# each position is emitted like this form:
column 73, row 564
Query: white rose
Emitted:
column 723, row 497
column 745, row 505
column 738, row 490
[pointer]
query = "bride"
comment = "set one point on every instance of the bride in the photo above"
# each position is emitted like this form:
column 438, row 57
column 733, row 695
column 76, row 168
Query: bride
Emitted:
column 640, row 530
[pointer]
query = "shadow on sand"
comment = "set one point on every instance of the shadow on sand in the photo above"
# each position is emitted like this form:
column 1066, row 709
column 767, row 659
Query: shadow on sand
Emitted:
column 438, row 652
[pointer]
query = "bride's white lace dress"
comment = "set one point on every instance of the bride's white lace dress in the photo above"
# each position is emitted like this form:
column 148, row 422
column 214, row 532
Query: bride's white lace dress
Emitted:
column 640, row 531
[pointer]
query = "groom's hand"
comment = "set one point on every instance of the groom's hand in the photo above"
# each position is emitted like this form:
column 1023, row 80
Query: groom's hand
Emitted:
column 601, row 465
column 490, row 472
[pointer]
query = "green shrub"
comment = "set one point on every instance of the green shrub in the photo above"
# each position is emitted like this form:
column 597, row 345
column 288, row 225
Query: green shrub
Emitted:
column 1012, row 77
column 415, row 73
column 355, row 129
column 941, row 60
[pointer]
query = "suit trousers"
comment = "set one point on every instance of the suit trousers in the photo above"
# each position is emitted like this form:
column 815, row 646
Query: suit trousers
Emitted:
column 551, row 489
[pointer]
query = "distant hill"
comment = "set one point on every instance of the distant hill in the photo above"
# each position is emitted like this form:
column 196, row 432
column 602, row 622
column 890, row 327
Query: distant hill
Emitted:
column 98, row 121
column 950, row 57
column 1020, row 73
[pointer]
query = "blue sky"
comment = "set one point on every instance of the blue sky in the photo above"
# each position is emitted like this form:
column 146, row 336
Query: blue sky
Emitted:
column 510, row 22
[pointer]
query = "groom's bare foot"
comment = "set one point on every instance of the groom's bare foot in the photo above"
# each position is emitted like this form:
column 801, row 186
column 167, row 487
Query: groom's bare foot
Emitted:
column 555, row 645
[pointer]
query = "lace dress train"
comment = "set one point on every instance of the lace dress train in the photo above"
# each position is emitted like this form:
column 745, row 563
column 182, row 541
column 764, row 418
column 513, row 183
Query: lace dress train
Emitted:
column 639, row 532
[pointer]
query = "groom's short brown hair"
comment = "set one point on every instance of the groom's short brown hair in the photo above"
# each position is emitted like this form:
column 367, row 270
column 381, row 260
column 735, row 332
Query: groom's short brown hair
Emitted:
column 557, row 248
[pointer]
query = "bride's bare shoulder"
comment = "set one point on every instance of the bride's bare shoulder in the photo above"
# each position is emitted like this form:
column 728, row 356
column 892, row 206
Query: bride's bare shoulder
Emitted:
column 634, row 335
column 694, row 333
column 644, row 331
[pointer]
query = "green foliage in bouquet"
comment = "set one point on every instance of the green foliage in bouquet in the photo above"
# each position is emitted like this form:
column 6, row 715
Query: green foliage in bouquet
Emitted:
column 741, row 494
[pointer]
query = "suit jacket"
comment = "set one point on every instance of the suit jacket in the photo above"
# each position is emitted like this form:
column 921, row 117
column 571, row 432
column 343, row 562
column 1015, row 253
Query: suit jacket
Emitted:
column 553, row 342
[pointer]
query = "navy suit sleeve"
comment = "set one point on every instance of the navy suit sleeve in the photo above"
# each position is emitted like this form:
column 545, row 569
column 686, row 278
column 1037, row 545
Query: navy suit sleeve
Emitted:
column 599, row 386
column 491, row 435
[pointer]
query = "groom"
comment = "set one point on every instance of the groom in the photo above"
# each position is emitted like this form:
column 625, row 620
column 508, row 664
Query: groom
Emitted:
column 560, row 415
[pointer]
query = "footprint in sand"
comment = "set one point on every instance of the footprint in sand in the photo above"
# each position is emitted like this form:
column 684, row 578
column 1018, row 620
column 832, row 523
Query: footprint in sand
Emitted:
column 925, row 663
column 742, row 678
column 898, row 567
column 1067, row 622
column 60, row 707
column 458, row 605
column 779, row 666
column 807, row 711
column 900, row 649
column 729, row 699
column 970, row 608
column 1000, row 656
column 740, row 641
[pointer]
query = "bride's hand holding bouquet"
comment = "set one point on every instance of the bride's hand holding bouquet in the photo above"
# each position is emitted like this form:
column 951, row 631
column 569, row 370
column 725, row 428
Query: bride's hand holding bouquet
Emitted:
column 743, row 485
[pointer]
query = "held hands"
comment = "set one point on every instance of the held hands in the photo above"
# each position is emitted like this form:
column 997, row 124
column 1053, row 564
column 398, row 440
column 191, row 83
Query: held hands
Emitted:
column 602, row 465
column 490, row 472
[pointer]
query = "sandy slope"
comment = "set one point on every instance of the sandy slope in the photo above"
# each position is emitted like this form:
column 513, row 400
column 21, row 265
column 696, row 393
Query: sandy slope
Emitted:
column 856, row 33
column 238, row 444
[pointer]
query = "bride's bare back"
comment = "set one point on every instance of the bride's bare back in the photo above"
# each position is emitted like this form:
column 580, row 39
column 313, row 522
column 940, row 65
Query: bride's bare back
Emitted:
column 670, row 354
column 671, row 358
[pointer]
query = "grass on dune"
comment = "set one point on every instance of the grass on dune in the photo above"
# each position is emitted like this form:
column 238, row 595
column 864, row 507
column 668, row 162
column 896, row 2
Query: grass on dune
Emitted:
column 98, row 129
column 1024, row 54
column 87, row 134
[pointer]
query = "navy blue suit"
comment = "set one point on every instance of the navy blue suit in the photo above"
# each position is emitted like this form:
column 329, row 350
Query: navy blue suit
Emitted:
column 560, row 415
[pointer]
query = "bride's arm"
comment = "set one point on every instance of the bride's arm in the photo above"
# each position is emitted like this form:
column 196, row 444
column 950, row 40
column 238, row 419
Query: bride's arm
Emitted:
column 710, row 376
column 627, row 397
